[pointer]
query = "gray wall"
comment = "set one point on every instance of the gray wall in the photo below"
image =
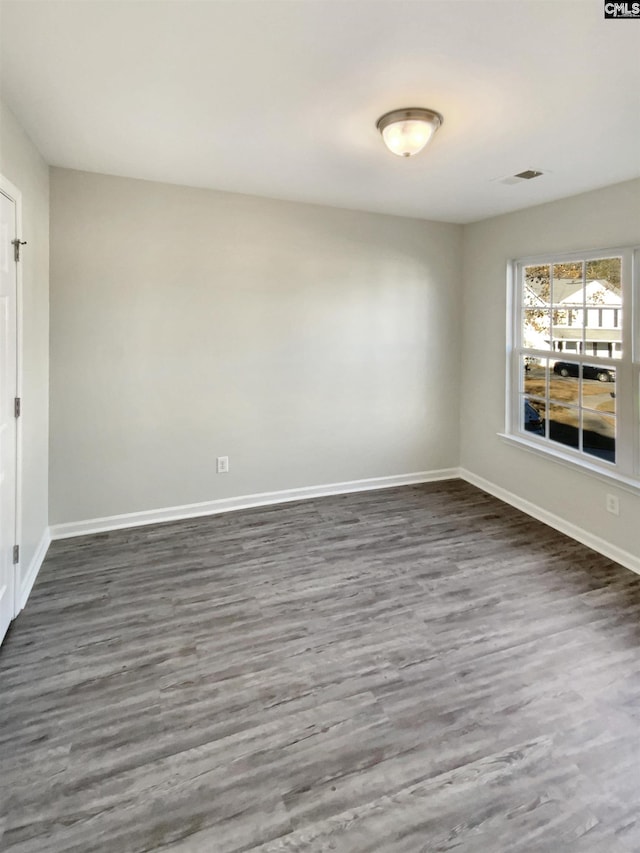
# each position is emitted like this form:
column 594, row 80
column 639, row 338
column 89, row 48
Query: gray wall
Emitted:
column 601, row 219
column 311, row 345
column 21, row 163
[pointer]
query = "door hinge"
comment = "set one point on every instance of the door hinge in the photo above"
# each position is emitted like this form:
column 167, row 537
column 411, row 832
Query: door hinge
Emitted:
column 16, row 248
column 16, row 554
column 17, row 406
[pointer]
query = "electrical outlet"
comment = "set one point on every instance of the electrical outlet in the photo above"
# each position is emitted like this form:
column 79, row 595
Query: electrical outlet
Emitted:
column 222, row 465
column 613, row 504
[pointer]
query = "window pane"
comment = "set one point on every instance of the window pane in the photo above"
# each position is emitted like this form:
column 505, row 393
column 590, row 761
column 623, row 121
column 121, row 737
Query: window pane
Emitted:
column 607, row 271
column 564, row 384
column 564, row 425
column 601, row 348
column 599, row 412
column 599, row 435
column 535, row 329
column 533, row 413
column 567, row 328
column 568, row 278
column 533, row 376
column 536, row 287
column 603, row 315
column 595, row 376
column 568, row 313
column 599, row 397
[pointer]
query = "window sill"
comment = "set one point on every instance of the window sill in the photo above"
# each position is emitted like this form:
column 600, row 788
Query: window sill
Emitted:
column 610, row 477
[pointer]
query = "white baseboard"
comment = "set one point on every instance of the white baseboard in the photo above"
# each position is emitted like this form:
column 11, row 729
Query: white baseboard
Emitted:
column 175, row 513
column 618, row 555
column 138, row 519
column 27, row 581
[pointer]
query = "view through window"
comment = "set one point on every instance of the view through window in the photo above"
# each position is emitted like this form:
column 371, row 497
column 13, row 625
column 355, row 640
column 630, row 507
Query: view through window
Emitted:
column 576, row 383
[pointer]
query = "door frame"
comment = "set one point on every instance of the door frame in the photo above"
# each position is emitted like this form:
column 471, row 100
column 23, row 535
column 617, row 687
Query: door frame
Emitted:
column 13, row 193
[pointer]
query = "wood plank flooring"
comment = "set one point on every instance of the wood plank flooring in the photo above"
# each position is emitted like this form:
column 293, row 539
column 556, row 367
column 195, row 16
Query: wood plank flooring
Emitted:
column 409, row 670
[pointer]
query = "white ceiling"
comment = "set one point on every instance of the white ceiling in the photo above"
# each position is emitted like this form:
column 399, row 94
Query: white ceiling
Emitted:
column 280, row 97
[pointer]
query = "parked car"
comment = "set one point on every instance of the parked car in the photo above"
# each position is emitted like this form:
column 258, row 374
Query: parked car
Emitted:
column 570, row 368
column 532, row 420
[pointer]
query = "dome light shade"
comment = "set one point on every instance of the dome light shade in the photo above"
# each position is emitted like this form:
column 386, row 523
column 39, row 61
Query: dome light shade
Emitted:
column 406, row 132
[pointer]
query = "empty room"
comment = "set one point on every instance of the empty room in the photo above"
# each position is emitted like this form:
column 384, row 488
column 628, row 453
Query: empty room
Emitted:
column 319, row 426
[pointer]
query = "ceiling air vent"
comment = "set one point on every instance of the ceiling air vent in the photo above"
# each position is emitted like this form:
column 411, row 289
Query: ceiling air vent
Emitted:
column 528, row 174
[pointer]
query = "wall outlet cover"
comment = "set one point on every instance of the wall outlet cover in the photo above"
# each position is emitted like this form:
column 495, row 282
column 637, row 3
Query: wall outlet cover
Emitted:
column 613, row 504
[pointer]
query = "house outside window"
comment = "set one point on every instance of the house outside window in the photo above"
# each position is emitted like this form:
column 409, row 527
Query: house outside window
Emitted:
column 574, row 361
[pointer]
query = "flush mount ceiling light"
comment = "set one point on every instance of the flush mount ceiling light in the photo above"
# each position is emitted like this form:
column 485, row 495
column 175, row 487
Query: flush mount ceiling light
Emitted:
column 407, row 131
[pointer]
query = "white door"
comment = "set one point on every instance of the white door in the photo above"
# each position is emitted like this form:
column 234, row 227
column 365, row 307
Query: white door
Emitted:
column 8, row 393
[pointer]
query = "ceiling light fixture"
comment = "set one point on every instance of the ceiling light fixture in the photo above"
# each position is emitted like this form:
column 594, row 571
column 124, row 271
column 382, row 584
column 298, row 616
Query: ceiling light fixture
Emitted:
column 406, row 132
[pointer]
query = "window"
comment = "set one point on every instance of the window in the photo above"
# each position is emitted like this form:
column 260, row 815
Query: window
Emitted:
column 574, row 370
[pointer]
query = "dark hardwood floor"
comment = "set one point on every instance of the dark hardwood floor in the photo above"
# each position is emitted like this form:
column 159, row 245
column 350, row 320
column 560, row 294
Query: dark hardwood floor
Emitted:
column 416, row 669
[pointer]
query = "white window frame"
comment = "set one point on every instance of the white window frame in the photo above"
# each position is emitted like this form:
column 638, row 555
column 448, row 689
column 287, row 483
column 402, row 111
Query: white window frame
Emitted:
column 626, row 468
